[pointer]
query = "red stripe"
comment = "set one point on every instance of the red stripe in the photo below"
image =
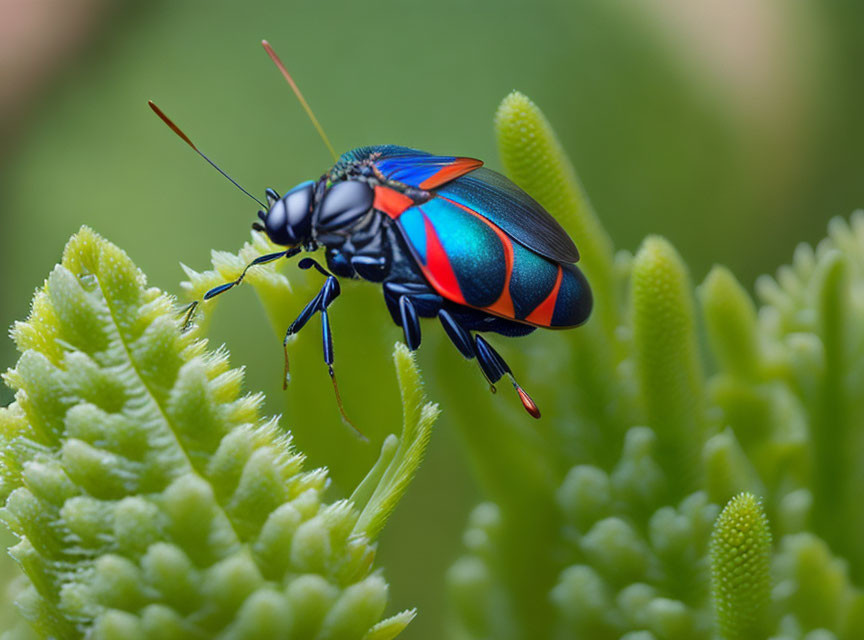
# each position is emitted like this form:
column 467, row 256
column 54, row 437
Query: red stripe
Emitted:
column 438, row 268
column 503, row 306
column 391, row 201
column 459, row 167
column 542, row 314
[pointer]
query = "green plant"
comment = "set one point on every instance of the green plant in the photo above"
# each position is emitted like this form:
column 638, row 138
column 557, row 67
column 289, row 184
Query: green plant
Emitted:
column 149, row 497
column 660, row 426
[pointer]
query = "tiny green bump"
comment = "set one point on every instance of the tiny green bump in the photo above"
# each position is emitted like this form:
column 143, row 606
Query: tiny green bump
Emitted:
column 228, row 583
column 616, row 548
column 633, row 601
column 585, row 496
column 741, row 569
column 88, row 519
column 310, row 597
column 638, row 478
column 308, row 503
column 159, row 621
column 138, row 523
column 118, row 625
column 168, row 570
column 311, row 549
column 356, row 610
column 116, row 582
column 670, row 619
column 261, row 489
column 47, row 480
column 669, row 531
column 77, row 311
column 582, row 596
column 274, row 543
column 99, row 472
column 262, row 616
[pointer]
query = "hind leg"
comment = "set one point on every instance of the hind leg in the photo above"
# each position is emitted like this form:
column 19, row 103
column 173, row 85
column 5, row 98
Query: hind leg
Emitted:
column 491, row 363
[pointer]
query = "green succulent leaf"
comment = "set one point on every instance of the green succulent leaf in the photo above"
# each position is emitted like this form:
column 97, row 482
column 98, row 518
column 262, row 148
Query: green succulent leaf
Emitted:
column 666, row 353
column 672, row 409
column 535, row 160
column 741, row 568
column 151, row 499
column 399, row 460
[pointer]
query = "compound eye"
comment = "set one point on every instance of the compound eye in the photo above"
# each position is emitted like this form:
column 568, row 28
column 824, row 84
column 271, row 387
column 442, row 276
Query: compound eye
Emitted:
column 298, row 203
column 344, row 204
column 289, row 220
column 276, row 224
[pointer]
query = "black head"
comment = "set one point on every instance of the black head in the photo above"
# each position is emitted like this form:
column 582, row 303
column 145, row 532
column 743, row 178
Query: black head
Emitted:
column 290, row 218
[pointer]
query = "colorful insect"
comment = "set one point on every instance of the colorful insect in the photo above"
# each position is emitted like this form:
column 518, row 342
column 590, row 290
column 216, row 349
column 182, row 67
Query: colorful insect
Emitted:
column 444, row 237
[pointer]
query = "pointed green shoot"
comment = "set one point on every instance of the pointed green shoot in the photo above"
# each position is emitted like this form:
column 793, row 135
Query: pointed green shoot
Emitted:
column 741, row 569
column 398, row 462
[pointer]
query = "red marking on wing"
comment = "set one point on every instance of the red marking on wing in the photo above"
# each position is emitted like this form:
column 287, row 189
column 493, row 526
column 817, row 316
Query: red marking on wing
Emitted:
column 438, row 268
column 542, row 314
column 459, row 167
column 391, row 201
column 503, row 306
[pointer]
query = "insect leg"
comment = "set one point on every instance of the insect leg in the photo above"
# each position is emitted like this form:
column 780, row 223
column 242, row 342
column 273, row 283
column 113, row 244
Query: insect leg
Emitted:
column 323, row 299
column 328, row 293
column 328, row 359
column 494, row 368
column 270, row 257
column 410, row 322
column 393, row 291
column 222, row 288
column 459, row 335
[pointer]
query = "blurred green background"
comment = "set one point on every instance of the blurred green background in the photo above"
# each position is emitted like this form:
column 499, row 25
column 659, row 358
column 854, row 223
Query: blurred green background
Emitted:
column 732, row 127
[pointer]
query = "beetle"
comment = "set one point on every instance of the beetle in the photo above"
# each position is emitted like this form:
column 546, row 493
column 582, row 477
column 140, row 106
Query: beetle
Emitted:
column 445, row 238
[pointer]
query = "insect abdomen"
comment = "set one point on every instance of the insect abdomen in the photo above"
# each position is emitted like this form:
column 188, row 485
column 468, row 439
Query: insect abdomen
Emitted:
column 469, row 260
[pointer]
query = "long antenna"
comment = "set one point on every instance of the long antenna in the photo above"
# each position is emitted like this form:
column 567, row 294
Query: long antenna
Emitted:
column 300, row 97
column 186, row 139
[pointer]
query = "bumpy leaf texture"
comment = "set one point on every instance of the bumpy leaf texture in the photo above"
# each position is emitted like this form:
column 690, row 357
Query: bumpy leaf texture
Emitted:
column 150, row 498
column 659, row 431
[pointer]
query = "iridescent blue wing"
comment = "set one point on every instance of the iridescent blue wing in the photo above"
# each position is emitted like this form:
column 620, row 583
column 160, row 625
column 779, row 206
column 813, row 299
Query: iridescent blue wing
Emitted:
column 409, row 166
column 488, row 193
column 495, row 197
column 425, row 171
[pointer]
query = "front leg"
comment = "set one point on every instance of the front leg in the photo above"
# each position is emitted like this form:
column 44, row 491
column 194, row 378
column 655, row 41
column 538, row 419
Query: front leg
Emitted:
column 319, row 304
column 222, row 288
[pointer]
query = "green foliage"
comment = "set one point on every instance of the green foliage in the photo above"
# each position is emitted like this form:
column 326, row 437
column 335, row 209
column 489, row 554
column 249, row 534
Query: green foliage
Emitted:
column 151, row 500
column 149, row 497
column 675, row 401
column 741, row 568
